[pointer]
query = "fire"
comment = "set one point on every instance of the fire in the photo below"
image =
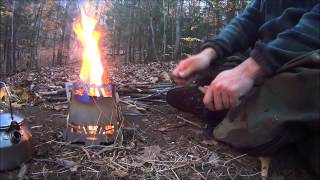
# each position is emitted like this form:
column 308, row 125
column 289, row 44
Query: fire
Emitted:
column 92, row 70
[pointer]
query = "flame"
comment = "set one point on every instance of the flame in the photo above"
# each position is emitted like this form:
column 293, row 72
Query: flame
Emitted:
column 92, row 70
column 109, row 130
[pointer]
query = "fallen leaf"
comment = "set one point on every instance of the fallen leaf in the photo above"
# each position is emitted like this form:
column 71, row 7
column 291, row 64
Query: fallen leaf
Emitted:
column 34, row 127
column 151, row 152
column 164, row 77
column 23, row 171
column 163, row 129
column 195, row 176
column 3, row 94
column 74, row 168
column 209, row 142
column 60, row 107
column 66, row 163
column 120, row 173
column 26, row 96
column 214, row 159
column 154, row 79
column 17, row 105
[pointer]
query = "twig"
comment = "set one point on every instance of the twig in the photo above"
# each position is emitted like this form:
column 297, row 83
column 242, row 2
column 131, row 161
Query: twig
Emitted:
column 110, row 148
column 190, row 122
column 86, row 152
column 249, row 175
column 177, row 167
column 175, row 174
column 226, row 162
column 133, row 105
column 197, row 172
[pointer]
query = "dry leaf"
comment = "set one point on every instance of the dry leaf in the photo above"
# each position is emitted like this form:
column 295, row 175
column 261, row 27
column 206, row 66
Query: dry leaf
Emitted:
column 74, row 168
column 154, row 79
column 17, row 105
column 3, row 94
column 164, row 77
column 66, row 163
column 120, row 173
column 151, row 152
column 61, row 107
column 214, row 159
column 163, row 129
column 209, row 142
column 23, row 171
column 26, row 96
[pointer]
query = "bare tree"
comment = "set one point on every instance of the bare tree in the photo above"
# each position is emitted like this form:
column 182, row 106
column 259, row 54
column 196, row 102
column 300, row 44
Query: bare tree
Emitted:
column 178, row 28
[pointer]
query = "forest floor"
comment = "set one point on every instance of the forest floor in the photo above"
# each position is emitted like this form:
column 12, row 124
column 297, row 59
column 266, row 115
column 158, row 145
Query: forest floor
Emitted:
column 165, row 143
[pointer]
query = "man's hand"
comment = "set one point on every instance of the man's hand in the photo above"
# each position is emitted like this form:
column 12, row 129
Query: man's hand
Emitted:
column 226, row 89
column 186, row 68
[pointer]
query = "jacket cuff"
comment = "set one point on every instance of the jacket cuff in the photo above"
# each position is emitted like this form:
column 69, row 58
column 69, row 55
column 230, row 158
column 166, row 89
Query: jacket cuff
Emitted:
column 212, row 44
column 261, row 55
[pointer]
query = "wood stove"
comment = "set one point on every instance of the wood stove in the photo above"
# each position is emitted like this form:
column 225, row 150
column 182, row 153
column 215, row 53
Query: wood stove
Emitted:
column 94, row 115
column 93, row 120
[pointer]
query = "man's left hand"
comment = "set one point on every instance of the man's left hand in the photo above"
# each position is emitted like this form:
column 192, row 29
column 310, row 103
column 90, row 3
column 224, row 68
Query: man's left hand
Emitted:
column 229, row 86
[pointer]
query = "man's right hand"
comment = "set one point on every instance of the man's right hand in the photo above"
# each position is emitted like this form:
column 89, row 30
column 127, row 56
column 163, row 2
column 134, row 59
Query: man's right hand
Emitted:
column 188, row 67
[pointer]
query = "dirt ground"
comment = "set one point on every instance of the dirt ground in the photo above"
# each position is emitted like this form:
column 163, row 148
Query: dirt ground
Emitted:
column 180, row 152
column 162, row 142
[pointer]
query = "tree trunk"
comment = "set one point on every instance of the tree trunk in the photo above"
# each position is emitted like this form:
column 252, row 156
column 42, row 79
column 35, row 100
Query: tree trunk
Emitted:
column 130, row 26
column 13, row 41
column 62, row 38
column 127, row 51
column 218, row 17
column 34, row 46
column 134, row 39
column 178, row 31
column 114, row 37
column 154, row 49
column 147, row 46
column 119, row 42
column 1, row 48
column 54, row 49
column 8, row 62
column 164, row 41
column 14, row 48
column 140, row 46
column 6, row 54
column 172, row 37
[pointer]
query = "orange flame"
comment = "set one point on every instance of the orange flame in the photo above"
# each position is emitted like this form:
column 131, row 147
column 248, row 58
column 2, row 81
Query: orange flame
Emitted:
column 92, row 70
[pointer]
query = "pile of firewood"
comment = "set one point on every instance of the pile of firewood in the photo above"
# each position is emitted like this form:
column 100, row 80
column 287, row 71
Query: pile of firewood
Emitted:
column 46, row 87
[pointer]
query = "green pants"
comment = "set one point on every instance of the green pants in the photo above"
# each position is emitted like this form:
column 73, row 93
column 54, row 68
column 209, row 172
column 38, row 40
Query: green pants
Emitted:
column 280, row 110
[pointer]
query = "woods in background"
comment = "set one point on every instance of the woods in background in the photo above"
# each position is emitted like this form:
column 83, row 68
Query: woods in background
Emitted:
column 35, row 33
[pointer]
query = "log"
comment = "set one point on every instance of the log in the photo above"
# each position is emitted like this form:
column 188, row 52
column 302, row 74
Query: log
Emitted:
column 56, row 99
column 136, row 90
column 50, row 93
